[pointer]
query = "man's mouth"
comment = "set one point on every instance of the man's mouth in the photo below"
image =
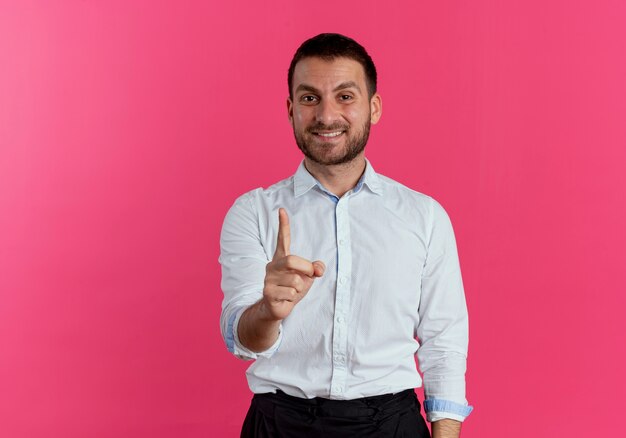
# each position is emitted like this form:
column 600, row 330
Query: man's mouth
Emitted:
column 329, row 134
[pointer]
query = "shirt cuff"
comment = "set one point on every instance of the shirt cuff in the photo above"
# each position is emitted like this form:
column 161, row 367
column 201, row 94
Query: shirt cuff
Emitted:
column 234, row 345
column 438, row 409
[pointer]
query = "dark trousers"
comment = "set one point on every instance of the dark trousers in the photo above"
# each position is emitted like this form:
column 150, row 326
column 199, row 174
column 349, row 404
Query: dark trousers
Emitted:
column 385, row 416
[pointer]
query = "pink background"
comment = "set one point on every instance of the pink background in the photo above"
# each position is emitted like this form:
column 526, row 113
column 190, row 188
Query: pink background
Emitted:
column 127, row 129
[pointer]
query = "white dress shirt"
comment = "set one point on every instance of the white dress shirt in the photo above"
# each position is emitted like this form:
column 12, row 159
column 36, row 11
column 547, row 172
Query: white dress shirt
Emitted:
column 392, row 289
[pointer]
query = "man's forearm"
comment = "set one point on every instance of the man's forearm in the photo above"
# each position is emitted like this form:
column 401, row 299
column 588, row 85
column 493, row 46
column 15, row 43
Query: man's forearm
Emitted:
column 255, row 330
column 446, row 428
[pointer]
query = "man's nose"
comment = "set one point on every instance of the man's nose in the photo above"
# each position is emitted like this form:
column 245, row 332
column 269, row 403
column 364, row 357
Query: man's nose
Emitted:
column 327, row 112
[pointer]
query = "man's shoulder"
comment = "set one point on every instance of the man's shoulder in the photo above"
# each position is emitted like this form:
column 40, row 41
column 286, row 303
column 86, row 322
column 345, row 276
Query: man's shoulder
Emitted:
column 395, row 188
column 411, row 198
column 259, row 192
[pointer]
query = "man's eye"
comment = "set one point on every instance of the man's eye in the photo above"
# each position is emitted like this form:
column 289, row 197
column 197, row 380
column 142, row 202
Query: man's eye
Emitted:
column 345, row 97
column 308, row 98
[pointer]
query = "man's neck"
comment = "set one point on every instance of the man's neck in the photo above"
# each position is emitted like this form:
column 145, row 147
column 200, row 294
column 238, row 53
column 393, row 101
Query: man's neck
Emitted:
column 340, row 178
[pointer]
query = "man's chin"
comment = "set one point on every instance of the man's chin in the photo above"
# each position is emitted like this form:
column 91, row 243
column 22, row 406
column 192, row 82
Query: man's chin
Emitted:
column 330, row 160
column 327, row 154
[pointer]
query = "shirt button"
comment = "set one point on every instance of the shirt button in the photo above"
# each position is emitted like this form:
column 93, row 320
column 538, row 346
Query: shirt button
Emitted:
column 339, row 319
column 341, row 241
column 342, row 280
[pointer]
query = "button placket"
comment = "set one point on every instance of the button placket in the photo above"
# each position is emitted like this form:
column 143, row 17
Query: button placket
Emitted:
column 342, row 298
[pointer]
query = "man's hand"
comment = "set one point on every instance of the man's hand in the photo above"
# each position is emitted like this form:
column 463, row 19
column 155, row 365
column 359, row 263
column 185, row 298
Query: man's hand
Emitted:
column 446, row 428
column 288, row 278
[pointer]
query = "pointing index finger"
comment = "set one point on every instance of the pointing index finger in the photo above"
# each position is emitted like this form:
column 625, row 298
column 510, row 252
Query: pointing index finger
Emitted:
column 284, row 235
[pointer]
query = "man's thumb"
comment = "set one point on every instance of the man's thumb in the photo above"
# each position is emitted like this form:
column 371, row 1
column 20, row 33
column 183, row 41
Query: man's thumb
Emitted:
column 318, row 268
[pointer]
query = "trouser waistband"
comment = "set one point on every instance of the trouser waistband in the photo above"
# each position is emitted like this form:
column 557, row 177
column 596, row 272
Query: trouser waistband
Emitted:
column 362, row 407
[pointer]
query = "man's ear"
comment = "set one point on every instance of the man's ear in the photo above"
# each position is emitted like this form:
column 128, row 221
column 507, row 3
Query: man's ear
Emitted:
column 290, row 110
column 376, row 108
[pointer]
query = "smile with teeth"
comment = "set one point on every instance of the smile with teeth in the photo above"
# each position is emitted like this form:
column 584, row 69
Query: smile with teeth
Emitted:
column 329, row 134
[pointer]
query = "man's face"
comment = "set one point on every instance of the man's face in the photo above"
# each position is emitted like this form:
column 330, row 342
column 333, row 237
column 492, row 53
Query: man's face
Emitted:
column 331, row 111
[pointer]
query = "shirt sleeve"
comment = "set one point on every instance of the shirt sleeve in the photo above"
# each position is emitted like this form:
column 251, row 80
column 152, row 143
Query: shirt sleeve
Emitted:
column 443, row 324
column 243, row 261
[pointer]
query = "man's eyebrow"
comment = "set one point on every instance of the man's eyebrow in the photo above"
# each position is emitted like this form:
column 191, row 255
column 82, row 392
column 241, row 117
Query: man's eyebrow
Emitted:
column 305, row 87
column 347, row 84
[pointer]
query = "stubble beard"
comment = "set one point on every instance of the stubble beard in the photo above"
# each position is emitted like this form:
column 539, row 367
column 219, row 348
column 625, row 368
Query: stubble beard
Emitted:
column 353, row 147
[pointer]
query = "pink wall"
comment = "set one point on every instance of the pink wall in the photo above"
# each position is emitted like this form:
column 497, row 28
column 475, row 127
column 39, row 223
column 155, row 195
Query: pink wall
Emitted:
column 127, row 129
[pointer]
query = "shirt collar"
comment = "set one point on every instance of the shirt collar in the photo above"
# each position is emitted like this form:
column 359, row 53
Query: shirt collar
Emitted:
column 304, row 181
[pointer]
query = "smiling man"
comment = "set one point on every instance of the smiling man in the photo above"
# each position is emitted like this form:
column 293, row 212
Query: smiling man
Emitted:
column 337, row 277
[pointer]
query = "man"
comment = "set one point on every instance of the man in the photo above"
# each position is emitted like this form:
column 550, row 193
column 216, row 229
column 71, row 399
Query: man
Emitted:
column 334, row 279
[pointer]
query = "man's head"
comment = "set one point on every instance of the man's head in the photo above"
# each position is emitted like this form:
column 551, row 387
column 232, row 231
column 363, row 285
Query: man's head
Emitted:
column 330, row 46
column 332, row 98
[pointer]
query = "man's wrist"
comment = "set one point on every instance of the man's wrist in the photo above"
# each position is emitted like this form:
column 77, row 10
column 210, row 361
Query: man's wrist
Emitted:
column 255, row 331
column 446, row 428
column 264, row 315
